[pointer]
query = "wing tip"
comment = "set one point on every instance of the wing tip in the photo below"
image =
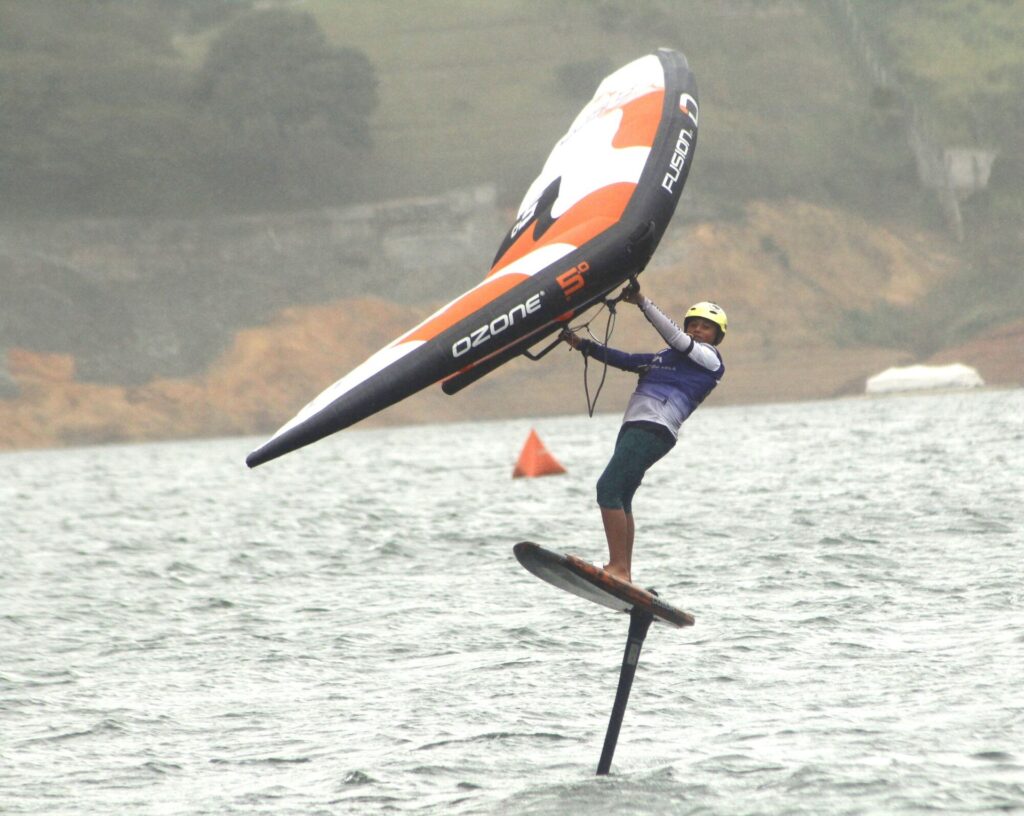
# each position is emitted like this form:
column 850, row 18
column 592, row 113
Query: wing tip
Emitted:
column 253, row 460
column 262, row 454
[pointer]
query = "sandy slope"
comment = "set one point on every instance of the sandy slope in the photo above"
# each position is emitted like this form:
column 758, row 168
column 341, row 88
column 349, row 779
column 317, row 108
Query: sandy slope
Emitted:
column 785, row 274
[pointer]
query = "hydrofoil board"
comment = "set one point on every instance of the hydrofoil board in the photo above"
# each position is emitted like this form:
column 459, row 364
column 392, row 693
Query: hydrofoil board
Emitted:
column 594, row 584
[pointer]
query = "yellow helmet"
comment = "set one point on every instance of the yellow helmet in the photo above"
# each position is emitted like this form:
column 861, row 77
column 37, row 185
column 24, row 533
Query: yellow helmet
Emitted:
column 709, row 311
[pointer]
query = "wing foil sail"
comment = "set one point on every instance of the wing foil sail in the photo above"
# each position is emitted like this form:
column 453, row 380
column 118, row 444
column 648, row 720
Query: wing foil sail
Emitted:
column 587, row 223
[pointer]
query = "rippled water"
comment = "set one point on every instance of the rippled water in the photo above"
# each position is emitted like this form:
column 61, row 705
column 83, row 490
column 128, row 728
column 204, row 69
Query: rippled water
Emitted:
column 346, row 630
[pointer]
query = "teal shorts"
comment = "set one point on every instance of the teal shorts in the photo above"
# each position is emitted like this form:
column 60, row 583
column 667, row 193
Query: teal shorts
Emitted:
column 639, row 445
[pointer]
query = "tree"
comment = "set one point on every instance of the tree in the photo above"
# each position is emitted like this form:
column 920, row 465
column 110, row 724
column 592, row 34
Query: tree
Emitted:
column 90, row 107
column 294, row 109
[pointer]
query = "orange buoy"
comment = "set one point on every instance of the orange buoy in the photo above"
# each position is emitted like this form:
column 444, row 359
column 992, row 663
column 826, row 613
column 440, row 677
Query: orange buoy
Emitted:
column 536, row 460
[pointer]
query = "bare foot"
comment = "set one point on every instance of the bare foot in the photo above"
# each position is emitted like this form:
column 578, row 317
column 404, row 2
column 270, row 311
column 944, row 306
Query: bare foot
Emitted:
column 617, row 572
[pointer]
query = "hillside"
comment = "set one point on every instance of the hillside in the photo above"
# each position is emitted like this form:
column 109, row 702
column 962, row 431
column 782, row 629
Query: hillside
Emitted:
column 478, row 92
column 782, row 345
column 804, row 216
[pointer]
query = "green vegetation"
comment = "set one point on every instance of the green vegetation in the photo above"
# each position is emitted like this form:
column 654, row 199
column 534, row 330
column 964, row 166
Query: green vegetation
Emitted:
column 102, row 115
column 963, row 57
column 293, row 109
column 962, row 62
column 147, row 106
column 178, row 107
column 478, row 92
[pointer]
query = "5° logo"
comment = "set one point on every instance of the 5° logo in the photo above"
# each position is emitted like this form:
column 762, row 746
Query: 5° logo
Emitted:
column 572, row 281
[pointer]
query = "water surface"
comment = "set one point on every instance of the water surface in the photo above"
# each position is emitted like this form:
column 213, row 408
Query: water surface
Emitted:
column 346, row 630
